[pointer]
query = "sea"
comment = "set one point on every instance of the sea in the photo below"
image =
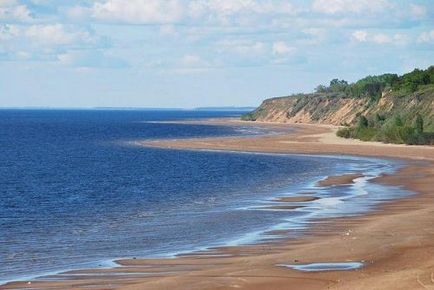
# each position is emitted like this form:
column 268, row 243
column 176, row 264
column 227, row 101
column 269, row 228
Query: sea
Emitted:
column 77, row 190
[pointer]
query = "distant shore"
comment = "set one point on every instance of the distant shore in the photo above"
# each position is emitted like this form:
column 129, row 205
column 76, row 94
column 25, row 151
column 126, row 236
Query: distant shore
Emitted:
column 395, row 243
column 301, row 138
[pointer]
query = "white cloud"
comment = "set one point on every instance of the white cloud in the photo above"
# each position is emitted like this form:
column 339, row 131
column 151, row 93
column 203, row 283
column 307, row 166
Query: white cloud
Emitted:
column 46, row 34
column 191, row 60
column 282, row 48
column 283, row 53
column 78, row 12
column 224, row 7
column 90, row 59
column 11, row 10
column 39, row 2
column 42, row 42
column 239, row 13
column 189, row 64
column 23, row 55
column 379, row 38
column 55, row 34
column 317, row 32
column 349, row 6
column 418, row 11
column 426, row 37
column 66, row 58
column 242, row 47
column 360, row 35
column 231, row 7
column 8, row 32
column 400, row 39
column 6, row 3
column 174, row 11
column 136, row 11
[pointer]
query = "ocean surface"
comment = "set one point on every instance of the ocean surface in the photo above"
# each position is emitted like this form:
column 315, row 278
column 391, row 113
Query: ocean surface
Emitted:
column 76, row 192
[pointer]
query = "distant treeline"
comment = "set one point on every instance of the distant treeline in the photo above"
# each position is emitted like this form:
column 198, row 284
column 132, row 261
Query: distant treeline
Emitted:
column 373, row 86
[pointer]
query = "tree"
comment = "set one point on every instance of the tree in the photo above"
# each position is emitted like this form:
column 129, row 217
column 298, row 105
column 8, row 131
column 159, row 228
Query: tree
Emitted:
column 337, row 85
column 363, row 122
column 337, row 82
column 321, row 89
column 379, row 120
column 419, row 124
column 398, row 121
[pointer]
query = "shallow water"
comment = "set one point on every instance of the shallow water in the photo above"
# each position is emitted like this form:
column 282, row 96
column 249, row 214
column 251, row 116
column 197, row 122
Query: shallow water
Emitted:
column 319, row 267
column 75, row 194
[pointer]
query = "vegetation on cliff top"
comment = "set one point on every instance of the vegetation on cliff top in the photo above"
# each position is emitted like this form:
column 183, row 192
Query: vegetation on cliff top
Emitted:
column 401, row 127
column 374, row 86
column 388, row 108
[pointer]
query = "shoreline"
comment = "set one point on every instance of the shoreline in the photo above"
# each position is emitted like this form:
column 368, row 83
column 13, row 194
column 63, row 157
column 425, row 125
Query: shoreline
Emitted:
column 277, row 202
column 296, row 138
column 209, row 262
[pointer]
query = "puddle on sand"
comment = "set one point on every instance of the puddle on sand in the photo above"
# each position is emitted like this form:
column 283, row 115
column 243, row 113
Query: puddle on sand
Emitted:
column 317, row 267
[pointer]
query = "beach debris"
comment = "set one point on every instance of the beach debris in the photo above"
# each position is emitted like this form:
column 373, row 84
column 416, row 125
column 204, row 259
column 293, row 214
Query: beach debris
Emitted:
column 348, row 233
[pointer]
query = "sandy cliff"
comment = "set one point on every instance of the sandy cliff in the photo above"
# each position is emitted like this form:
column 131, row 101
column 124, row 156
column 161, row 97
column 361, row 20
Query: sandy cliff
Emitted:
column 339, row 109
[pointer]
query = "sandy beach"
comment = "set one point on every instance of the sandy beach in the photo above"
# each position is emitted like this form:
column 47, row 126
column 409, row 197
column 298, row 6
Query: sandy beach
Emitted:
column 395, row 243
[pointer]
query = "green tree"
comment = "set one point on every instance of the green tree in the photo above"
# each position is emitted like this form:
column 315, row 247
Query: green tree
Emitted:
column 398, row 121
column 378, row 120
column 363, row 122
column 337, row 85
column 419, row 124
column 321, row 89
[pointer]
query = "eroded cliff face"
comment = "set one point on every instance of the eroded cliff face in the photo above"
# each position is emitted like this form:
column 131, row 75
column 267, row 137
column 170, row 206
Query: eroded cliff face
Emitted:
column 341, row 110
column 310, row 109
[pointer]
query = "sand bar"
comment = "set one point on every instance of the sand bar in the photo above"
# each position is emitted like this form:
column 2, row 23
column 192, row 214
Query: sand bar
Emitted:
column 296, row 199
column 339, row 180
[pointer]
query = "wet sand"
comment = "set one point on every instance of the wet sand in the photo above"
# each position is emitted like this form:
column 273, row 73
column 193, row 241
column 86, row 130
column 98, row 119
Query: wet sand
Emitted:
column 339, row 180
column 296, row 199
column 281, row 207
column 395, row 242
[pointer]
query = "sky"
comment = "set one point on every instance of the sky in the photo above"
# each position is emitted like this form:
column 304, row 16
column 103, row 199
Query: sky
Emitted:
column 195, row 53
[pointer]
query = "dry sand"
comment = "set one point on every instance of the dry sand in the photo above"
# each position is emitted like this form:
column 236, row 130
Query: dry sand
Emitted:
column 396, row 242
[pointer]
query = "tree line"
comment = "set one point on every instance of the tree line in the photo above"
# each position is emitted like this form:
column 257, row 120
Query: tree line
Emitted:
column 373, row 86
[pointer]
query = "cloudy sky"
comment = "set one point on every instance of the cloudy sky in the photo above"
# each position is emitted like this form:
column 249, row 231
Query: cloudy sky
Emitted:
column 188, row 53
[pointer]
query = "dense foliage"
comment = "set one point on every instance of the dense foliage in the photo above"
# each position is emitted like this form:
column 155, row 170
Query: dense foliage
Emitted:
column 389, row 130
column 406, row 128
column 374, row 86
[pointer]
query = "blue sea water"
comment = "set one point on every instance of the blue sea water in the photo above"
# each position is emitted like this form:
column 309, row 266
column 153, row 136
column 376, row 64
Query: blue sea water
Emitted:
column 74, row 191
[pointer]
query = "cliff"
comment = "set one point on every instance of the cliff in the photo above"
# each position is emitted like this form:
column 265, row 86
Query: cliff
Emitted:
column 341, row 109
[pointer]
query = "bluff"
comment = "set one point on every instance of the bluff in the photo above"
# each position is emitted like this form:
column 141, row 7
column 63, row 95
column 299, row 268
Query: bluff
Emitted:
column 387, row 108
column 342, row 109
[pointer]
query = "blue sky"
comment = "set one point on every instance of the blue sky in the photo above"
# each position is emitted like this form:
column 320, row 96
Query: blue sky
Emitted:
column 188, row 53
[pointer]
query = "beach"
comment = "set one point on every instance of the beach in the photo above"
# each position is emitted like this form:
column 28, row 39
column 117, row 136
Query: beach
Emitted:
column 395, row 243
